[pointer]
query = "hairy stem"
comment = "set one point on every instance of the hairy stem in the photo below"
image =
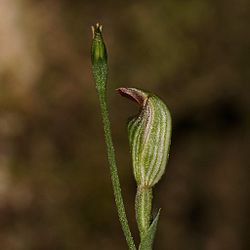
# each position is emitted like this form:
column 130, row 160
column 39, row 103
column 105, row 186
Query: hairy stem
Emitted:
column 100, row 74
column 114, row 172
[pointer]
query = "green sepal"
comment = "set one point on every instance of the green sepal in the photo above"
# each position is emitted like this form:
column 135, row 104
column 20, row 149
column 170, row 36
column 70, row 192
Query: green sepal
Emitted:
column 148, row 240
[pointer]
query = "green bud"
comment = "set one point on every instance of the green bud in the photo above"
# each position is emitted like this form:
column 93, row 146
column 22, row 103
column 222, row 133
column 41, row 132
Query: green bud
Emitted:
column 98, row 49
column 149, row 137
column 99, row 60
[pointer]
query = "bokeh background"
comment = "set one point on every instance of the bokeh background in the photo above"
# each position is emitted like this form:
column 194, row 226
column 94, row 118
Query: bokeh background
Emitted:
column 55, row 190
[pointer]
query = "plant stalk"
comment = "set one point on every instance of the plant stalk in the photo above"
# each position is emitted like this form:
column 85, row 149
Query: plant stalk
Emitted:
column 100, row 74
column 114, row 172
column 143, row 209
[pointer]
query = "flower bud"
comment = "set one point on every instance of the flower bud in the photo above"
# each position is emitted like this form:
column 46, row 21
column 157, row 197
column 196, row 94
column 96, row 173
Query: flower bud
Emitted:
column 99, row 59
column 98, row 49
column 149, row 137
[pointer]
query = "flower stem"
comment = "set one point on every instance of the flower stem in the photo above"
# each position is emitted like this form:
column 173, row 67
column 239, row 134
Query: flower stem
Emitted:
column 100, row 72
column 114, row 172
column 143, row 207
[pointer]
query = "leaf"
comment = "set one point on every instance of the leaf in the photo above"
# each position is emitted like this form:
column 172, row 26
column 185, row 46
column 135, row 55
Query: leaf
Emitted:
column 148, row 239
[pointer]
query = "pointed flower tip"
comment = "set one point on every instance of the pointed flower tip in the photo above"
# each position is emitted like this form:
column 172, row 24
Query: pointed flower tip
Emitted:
column 134, row 94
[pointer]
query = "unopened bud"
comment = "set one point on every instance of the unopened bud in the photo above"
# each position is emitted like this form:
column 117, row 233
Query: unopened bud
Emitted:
column 98, row 50
column 99, row 58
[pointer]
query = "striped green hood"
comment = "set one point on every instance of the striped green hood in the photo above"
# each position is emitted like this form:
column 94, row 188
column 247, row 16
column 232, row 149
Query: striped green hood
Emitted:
column 149, row 136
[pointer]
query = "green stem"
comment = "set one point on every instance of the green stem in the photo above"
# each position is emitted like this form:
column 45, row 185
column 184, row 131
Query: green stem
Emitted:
column 143, row 208
column 113, row 170
column 100, row 73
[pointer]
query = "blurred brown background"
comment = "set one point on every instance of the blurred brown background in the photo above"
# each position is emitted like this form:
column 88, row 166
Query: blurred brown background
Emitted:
column 55, row 190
